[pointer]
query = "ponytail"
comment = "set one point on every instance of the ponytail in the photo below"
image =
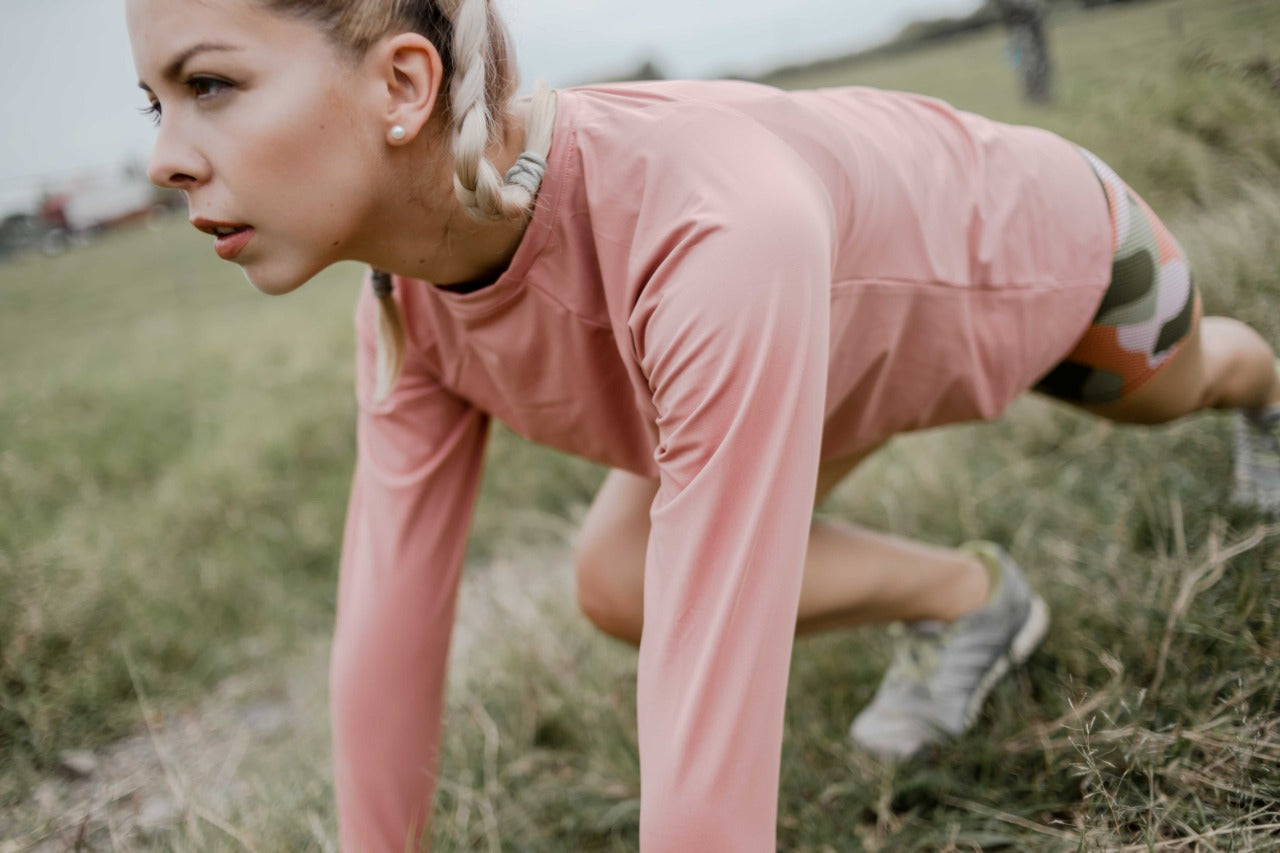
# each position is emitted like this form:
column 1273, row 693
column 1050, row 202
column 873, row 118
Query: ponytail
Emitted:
column 479, row 50
column 390, row 339
column 482, row 70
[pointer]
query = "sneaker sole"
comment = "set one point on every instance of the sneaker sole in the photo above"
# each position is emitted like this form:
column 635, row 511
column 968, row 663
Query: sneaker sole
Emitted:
column 1029, row 636
column 1247, row 492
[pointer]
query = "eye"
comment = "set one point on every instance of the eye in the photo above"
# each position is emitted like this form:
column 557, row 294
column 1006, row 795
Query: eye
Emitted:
column 201, row 87
column 151, row 111
column 206, row 87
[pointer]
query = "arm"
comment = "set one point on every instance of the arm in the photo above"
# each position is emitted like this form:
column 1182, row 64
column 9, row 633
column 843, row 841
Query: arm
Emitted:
column 418, row 462
column 732, row 333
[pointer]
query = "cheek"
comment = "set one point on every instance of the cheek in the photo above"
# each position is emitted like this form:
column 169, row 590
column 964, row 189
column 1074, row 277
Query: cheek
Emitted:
column 314, row 154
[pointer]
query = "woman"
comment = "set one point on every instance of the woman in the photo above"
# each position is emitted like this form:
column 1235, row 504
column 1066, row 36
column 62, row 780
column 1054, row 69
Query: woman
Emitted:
column 727, row 293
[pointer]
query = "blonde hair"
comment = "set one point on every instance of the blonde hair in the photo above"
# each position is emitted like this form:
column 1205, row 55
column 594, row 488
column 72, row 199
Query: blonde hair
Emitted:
column 480, row 79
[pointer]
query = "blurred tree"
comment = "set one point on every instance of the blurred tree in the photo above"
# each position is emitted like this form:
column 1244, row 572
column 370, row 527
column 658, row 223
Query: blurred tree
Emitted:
column 647, row 70
column 1030, row 46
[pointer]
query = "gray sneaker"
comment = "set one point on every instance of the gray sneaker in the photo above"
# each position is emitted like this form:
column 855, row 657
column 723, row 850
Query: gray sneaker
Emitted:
column 1257, row 460
column 942, row 673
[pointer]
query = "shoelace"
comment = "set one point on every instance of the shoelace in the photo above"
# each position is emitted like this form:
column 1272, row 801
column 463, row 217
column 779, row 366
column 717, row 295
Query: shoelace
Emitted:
column 917, row 652
column 918, row 655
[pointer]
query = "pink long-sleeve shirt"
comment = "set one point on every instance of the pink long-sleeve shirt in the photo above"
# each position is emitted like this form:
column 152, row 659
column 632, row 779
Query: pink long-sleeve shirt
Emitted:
column 722, row 286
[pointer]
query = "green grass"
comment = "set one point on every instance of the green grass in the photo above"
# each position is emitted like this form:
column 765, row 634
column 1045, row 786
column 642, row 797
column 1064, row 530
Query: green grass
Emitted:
column 175, row 451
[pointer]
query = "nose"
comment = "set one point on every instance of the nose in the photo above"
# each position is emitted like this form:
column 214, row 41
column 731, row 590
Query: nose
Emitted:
column 175, row 163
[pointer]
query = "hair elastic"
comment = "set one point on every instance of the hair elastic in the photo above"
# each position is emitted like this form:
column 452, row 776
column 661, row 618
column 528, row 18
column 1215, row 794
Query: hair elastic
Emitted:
column 527, row 171
column 381, row 282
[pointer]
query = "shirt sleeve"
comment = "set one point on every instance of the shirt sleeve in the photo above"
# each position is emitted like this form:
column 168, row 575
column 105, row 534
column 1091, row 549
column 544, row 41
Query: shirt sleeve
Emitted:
column 418, row 466
column 732, row 333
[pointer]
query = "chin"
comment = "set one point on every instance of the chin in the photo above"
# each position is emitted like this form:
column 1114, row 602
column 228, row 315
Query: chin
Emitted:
column 276, row 282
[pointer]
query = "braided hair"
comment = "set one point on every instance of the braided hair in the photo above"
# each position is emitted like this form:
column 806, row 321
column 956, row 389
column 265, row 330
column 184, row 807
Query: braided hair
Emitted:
column 480, row 79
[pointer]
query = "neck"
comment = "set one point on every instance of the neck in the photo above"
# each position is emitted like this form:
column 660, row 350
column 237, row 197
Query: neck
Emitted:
column 420, row 229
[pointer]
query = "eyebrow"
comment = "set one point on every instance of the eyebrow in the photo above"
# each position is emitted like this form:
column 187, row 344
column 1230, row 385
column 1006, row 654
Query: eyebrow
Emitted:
column 173, row 70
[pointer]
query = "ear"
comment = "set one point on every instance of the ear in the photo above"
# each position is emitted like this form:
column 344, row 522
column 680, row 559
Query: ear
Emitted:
column 409, row 70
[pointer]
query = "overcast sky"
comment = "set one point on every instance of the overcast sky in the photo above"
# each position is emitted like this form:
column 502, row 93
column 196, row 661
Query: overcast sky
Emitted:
column 70, row 103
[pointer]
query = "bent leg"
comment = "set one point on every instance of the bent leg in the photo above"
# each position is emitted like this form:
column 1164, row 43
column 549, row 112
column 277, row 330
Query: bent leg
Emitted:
column 852, row 576
column 1148, row 357
column 855, row 576
column 1222, row 364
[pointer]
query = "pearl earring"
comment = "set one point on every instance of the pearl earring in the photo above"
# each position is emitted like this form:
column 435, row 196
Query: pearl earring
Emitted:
column 398, row 133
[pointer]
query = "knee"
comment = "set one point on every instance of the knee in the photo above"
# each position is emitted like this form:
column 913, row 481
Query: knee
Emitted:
column 605, row 591
column 1240, row 363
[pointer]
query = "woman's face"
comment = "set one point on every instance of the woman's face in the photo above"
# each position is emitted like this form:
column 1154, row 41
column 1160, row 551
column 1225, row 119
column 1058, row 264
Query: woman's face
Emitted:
column 267, row 128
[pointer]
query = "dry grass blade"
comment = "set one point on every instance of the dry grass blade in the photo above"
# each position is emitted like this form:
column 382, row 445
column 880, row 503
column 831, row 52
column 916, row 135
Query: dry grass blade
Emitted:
column 1203, row 736
column 220, row 824
column 1014, row 820
column 492, row 786
column 1196, row 582
column 176, row 785
column 1038, row 736
column 1198, row 840
column 172, row 776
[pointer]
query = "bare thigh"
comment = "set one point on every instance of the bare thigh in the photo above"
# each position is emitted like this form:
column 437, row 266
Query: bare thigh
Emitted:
column 1177, row 389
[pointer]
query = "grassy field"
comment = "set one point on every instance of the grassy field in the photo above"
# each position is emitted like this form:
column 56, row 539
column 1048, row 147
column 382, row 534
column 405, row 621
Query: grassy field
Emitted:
column 175, row 451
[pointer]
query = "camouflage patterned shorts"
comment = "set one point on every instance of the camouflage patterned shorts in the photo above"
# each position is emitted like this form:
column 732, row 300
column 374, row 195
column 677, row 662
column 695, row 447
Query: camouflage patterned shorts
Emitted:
column 1147, row 312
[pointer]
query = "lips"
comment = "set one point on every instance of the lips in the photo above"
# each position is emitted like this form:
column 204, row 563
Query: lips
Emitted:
column 232, row 237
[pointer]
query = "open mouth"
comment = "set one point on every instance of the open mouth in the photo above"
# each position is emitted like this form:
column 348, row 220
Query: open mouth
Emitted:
column 232, row 236
column 218, row 229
